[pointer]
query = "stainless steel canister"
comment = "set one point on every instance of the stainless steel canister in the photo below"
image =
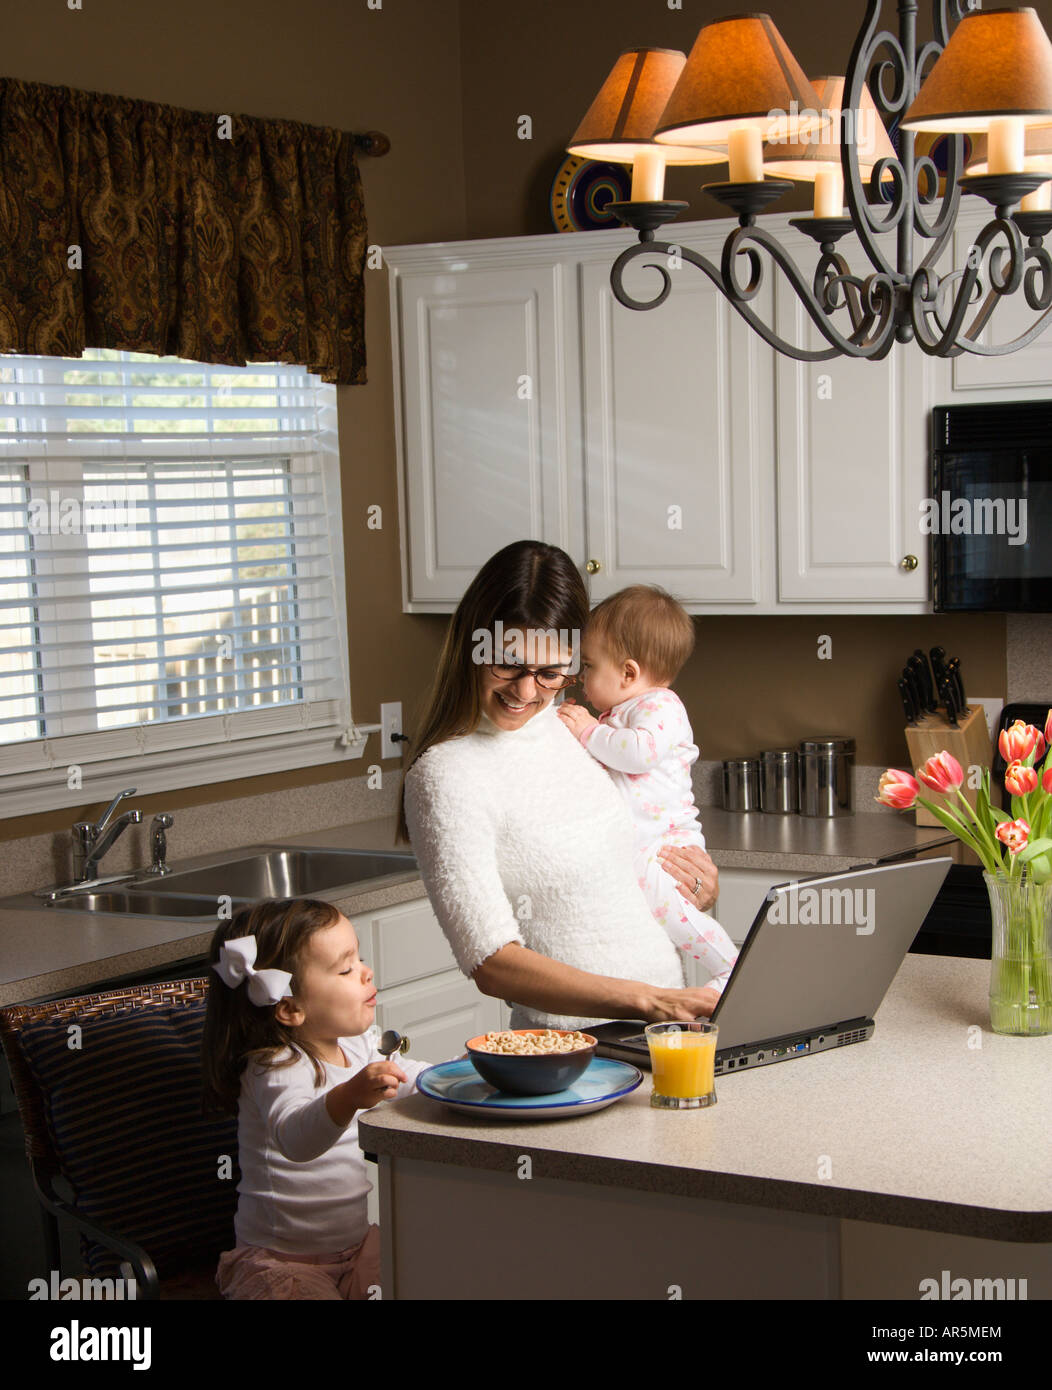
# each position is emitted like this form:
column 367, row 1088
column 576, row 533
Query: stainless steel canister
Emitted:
column 826, row 766
column 741, row 784
column 778, row 784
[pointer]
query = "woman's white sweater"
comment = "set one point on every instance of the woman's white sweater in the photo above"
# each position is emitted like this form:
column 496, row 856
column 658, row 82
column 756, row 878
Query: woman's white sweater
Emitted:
column 521, row 836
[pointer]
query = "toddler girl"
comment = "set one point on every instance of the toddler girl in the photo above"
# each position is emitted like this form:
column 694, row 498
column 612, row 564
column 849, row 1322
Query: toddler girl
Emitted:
column 290, row 1044
column 636, row 643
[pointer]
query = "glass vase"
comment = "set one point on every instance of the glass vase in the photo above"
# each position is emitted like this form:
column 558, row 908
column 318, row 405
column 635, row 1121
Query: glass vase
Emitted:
column 1020, row 955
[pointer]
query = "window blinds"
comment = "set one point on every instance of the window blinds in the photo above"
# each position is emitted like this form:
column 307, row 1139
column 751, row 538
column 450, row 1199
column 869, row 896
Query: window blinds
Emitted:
column 168, row 552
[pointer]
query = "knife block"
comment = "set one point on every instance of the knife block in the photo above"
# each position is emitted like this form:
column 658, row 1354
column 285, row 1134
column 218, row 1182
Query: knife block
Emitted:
column 970, row 744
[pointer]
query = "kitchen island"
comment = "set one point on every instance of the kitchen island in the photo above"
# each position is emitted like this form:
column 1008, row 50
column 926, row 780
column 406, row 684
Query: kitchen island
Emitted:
column 850, row 1174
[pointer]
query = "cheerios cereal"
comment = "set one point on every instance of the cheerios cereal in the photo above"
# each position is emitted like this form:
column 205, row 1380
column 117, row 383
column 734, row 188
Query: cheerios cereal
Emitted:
column 532, row 1044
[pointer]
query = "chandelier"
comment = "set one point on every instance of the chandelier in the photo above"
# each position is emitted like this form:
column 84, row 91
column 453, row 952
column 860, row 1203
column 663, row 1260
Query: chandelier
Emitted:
column 740, row 97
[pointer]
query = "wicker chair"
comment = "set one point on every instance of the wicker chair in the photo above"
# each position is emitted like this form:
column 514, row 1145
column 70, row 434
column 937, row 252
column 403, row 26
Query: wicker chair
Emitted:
column 112, row 1106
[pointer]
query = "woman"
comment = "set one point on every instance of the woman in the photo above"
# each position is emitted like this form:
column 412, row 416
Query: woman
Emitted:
column 524, row 844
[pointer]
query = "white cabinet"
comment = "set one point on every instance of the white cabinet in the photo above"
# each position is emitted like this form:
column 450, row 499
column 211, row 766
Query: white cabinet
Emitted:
column 677, row 435
column 1022, row 375
column 420, row 990
column 487, row 365
column 852, row 464
column 671, row 446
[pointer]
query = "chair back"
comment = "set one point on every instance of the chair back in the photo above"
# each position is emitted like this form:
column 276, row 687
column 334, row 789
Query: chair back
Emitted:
column 109, row 1090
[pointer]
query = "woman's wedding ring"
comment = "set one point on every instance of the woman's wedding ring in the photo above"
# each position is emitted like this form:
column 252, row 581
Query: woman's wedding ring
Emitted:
column 697, row 885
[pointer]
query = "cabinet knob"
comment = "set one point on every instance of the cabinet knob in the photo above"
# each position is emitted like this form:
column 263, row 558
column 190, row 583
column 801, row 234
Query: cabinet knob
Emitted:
column 593, row 567
column 910, row 562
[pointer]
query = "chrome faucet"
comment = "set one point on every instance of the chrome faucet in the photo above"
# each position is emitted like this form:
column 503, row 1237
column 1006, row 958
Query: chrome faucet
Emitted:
column 91, row 841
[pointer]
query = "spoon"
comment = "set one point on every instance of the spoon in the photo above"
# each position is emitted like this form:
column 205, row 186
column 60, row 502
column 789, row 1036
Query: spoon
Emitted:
column 392, row 1042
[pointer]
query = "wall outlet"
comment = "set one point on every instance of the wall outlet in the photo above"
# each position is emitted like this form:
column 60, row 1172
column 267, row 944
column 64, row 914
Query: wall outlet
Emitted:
column 390, row 723
column 992, row 707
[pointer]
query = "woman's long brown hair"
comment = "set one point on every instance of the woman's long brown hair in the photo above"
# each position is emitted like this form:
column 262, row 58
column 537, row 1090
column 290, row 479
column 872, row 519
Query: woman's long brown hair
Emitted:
column 528, row 584
column 236, row 1031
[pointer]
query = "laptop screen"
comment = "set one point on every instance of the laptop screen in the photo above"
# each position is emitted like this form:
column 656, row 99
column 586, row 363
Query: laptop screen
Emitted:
column 824, row 950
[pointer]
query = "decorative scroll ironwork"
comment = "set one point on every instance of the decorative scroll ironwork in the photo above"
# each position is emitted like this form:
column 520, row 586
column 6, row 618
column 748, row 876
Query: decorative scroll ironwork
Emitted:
column 893, row 300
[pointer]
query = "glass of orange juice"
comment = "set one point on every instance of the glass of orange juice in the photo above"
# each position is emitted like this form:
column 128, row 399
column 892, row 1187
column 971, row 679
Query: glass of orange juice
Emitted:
column 683, row 1059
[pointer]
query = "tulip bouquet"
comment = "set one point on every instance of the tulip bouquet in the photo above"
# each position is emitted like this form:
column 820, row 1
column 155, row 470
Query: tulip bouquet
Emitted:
column 1016, row 853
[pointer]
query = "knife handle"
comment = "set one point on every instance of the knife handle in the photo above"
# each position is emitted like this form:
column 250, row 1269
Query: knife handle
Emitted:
column 907, row 702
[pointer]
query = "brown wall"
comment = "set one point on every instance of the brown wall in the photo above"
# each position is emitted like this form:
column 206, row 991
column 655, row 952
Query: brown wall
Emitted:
column 447, row 80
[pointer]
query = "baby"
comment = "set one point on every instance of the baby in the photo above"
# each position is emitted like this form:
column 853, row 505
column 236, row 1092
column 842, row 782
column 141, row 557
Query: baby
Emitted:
column 636, row 643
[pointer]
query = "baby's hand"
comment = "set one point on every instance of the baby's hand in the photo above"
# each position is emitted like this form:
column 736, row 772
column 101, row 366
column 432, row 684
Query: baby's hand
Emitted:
column 576, row 718
column 376, row 1082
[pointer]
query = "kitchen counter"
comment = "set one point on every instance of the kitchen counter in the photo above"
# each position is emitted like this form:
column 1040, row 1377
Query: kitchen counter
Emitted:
column 57, row 952
column 51, row 951
column 922, row 1149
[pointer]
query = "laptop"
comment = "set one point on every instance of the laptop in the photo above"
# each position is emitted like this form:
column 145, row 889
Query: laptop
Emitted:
column 813, row 970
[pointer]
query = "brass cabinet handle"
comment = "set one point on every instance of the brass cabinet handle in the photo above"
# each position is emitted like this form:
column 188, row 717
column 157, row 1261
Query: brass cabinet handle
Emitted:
column 593, row 567
column 910, row 562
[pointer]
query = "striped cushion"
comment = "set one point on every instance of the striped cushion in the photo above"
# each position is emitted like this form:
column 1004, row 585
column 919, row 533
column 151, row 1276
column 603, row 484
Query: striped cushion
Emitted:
column 124, row 1114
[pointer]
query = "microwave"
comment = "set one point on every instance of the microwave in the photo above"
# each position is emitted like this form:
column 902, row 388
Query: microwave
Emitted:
column 989, row 516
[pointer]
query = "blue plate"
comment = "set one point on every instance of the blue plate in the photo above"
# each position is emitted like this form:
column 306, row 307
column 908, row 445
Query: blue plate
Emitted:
column 458, row 1084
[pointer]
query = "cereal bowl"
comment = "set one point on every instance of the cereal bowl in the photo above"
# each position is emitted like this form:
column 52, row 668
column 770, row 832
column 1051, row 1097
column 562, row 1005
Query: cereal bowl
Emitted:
column 533, row 1073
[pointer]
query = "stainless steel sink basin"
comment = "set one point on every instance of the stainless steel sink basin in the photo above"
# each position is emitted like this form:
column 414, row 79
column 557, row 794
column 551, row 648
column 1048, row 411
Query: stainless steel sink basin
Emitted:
column 265, row 872
column 288, row 873
column 138, row 904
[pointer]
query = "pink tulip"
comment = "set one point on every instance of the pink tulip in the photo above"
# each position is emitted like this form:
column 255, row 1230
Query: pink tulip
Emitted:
column 1020, row 779
column 1019, row 740
column 941, row 773
column 898, row 789
column 1046, row 780
column 1014, row 834
column 1048, row 730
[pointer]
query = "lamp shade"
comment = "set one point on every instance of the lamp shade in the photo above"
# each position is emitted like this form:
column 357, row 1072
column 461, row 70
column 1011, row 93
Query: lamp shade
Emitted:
column 998, row 63
column 1037, row 156
column 740, row 75
column 803, row 157
column 619, row 124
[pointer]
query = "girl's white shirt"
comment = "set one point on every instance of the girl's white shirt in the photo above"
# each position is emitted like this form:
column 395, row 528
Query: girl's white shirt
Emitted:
column 522, row 837
column 304, row 1185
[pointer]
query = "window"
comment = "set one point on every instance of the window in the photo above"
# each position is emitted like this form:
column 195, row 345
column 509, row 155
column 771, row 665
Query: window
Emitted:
column 171, row 582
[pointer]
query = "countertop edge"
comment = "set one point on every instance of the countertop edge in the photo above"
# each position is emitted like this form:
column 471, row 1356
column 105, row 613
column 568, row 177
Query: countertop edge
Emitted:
column 882, row 1208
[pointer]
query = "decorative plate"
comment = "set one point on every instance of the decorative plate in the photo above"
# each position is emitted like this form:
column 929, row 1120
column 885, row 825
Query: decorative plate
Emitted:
column 458, row 1085
column 581, row 191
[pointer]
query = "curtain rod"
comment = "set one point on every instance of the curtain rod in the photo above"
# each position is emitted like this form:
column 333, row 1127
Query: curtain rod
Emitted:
column 373, row 142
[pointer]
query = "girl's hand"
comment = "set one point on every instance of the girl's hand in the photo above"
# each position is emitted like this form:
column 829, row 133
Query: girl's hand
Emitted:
column 375, row 1082
column 576, row 718
column 680, row 1005
column 689, row 865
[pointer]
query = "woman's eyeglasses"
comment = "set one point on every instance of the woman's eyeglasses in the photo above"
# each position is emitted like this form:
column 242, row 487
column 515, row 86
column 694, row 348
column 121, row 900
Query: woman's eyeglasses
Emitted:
column 546, row 677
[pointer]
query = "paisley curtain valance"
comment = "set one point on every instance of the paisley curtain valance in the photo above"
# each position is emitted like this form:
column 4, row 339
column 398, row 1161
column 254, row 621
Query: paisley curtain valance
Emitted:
column 219, row 238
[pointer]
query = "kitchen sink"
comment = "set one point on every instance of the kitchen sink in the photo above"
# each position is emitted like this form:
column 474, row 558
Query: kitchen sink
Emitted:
column 138, row 904
column 288, row 873
column 265, row 872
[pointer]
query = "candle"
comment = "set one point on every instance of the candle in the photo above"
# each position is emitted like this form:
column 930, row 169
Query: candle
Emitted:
column 829, row 192
column 1038, row 201
column 1006, row 145
column 745, row 152
column 648, row 176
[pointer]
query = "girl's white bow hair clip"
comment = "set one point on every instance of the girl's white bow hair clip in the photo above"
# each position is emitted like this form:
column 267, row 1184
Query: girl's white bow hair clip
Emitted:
column 237, row 963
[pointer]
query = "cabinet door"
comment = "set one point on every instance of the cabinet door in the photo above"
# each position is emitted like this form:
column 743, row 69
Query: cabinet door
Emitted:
column 853, row 465
column 1022, row 375
column 676, row 411
column 488, row 387
column 437, row 1015
column 408, row 944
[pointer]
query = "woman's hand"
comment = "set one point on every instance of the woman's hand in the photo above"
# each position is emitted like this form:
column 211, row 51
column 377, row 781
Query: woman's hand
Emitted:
column 697, row 877
column 680, row 1005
